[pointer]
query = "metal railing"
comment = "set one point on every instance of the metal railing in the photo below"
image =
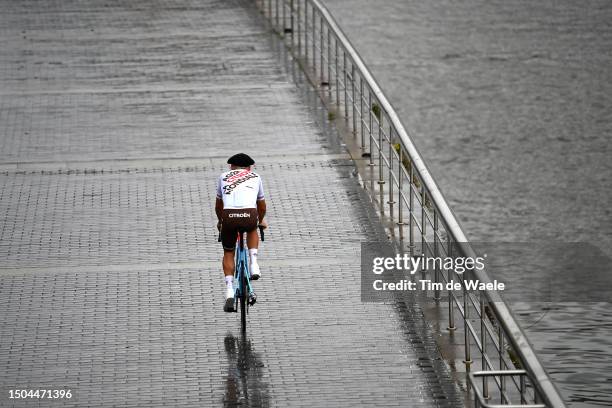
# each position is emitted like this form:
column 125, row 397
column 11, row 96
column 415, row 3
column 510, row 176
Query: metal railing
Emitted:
column 411, row 204
column 482, row 401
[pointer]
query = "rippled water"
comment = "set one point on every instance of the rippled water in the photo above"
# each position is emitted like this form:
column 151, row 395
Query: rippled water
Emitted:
column 510, row 103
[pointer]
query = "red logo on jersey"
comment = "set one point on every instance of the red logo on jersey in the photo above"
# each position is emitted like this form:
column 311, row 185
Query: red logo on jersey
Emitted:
column 234, row 176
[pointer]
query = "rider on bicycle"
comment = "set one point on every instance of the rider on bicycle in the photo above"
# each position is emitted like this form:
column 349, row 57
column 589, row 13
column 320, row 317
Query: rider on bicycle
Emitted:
column 240, row 204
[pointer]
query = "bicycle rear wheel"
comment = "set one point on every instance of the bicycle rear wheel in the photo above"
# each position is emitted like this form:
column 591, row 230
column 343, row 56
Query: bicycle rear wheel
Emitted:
column 244, row 298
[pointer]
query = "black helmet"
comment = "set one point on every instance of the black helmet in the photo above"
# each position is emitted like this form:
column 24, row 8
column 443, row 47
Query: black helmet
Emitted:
column 241, row 160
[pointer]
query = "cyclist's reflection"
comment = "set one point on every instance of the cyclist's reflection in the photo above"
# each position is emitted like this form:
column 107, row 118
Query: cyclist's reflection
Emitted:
column 244, row 386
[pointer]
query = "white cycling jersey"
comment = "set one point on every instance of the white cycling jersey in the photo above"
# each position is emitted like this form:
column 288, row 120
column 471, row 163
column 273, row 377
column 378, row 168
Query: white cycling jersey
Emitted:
column 239, row 188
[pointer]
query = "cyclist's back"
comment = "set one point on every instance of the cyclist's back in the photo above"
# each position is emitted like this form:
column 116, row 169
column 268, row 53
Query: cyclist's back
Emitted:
column 240, row 188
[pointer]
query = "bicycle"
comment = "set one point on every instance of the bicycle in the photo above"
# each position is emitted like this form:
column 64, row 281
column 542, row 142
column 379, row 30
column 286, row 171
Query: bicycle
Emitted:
column 243, row 291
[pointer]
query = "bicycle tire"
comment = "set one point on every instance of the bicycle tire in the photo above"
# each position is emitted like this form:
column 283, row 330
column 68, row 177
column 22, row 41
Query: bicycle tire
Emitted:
column 244, row 299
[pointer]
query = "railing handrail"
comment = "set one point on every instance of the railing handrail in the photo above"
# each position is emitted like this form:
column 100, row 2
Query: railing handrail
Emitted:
column 530, row 362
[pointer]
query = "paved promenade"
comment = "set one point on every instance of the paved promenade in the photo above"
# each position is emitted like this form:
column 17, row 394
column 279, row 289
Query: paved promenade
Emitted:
column 115, row 119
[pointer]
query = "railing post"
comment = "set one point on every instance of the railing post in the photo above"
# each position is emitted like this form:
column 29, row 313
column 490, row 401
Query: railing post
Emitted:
column 391, row 155
column 346, row 106
column 411, row 209
column 284, row 7
column 400, row 208
column 292, row 25
column 314, row 42
column 337, row 76
column 423, row 217
column 381, row 176
column 483, row 343
column 299, row 29
column 361, row 120
column 277, row 15
column 502, row 379
column 321, row 38
column 306, row 35
column 370, row 137
column 370, row 130
column 329, row 64
column 436, row 254
column 354, row 102
column 451, row 297
column 466, row 331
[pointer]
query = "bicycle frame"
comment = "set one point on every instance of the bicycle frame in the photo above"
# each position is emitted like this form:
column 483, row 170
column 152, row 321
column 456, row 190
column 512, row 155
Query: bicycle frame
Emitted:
column 242, row 266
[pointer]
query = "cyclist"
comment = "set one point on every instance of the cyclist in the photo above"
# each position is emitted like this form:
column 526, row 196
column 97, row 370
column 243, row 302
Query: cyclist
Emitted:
column 240, row 204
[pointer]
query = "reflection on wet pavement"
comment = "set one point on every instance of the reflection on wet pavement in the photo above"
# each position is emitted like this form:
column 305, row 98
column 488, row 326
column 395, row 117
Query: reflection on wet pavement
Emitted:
column 244, row 384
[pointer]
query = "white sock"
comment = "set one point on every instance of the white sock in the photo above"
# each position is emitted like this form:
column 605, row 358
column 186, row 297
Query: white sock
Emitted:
column 229, row 281
column 253, row 255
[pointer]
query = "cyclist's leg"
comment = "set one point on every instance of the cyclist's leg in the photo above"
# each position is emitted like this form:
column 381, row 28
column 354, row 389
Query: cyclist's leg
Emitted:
column 229, row 229
column 228, row 266
column 253, row 244
column 228, row 262
column 228, row 240
column 253, row 239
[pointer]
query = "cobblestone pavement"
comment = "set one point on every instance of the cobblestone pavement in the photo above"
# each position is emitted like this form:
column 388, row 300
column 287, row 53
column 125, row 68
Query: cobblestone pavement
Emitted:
column 115, row 118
